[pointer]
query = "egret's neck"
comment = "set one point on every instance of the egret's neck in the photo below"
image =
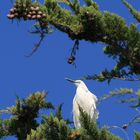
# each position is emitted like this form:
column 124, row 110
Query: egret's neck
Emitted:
column 82, row 88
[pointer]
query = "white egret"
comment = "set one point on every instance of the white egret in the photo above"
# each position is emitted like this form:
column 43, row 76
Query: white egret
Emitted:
column 85, row 99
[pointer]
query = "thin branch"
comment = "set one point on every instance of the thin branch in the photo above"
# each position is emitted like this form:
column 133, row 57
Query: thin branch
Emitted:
column 37, row 45
column 38, row 30
column 134, row 118
column 116, row 93
column 126, row 79
column 63, row 28
column 138, row 110
column 118, row 127
column 75, row 47
column 5, row 111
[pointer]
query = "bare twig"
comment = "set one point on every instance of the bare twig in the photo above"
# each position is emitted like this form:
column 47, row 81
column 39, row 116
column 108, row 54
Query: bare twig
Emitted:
column 38, row 30
column 118, row 127
column 37, row 45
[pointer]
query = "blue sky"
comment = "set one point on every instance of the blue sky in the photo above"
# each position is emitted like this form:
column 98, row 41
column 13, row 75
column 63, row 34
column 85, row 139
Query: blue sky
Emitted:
column 47, row 68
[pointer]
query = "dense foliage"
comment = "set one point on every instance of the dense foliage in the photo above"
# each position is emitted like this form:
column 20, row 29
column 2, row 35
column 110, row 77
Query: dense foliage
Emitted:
column 24, row 125
column 88, row 23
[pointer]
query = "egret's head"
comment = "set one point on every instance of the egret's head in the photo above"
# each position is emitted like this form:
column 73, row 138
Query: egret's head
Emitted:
column 76, row 82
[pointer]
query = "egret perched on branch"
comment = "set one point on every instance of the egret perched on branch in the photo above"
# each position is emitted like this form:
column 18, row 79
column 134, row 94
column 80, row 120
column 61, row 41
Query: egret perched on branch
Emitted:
column 85, row 99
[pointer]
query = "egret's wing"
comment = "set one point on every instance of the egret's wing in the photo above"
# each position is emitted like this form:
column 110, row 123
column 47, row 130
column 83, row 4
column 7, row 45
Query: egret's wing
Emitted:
column 94, row 97
column 94, row 113
column 76, row 113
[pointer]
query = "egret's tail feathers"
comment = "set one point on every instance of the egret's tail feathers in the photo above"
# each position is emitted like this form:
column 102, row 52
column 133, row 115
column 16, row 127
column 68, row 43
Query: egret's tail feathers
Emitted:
column 96, row 114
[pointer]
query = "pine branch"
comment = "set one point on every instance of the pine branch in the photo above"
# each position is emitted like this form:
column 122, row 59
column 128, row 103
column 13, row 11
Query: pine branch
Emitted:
column 90, row 24
column 92, row 132
column 137, row 135
column 24, row 115
column 118, row 92
column 133, row 11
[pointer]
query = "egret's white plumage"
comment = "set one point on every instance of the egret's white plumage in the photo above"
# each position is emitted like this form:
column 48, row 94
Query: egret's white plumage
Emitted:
column 85, row 99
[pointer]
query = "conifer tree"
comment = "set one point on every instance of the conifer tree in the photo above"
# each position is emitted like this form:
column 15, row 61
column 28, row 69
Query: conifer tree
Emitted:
column 80, row 22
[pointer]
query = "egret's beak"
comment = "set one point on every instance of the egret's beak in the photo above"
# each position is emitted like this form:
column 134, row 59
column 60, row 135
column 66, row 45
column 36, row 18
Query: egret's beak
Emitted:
column 70, row 80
